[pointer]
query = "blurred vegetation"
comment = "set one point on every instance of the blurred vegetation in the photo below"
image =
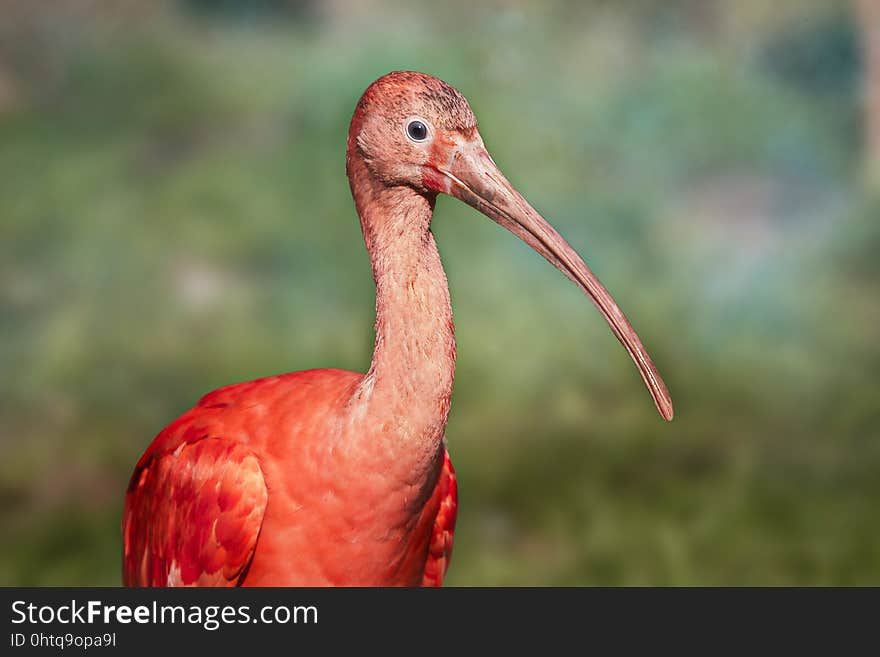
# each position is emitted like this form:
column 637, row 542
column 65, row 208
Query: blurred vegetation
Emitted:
column 174, row 216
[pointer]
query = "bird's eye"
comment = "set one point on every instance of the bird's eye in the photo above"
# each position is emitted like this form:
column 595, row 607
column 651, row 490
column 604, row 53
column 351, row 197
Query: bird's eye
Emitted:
column 417, row 131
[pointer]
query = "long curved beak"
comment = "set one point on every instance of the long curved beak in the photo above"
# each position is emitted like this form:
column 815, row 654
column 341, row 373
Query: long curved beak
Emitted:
column 473, row 177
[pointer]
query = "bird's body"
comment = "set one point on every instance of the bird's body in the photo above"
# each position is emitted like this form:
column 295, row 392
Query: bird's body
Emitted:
column 329, row 477
column 226, row 455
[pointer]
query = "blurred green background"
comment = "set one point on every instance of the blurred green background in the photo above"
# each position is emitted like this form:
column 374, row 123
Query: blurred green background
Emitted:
column 174, row 216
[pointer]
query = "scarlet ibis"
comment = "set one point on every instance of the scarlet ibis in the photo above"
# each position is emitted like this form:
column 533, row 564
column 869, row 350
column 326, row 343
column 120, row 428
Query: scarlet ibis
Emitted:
column 329, row 477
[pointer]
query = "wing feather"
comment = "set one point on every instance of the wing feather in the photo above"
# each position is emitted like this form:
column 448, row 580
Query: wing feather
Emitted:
column 440, row 548
column 193, row 515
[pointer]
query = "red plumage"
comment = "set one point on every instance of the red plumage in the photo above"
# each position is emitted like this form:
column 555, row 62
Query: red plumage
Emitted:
column 440, row 546
column 202, row 489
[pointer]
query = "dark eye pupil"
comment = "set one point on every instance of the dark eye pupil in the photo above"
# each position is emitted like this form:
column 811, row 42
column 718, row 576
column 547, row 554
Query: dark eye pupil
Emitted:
column 417, row 130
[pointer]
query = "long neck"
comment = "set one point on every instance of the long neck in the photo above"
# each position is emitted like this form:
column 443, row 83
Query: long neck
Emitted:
column 407, row 390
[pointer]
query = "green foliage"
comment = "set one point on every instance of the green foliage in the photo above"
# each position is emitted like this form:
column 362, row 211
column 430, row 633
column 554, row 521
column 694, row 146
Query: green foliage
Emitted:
column 174, row 216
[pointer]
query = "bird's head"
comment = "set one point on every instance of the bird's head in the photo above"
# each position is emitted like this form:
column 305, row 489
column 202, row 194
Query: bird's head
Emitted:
column 413, row 130
column 406, row 125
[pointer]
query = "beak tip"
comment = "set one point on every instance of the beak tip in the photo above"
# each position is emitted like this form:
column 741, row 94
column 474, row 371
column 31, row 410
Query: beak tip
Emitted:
column 667, row 412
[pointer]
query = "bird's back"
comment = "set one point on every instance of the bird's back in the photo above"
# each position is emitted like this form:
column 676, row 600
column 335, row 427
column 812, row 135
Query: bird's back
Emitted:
column 256, row 485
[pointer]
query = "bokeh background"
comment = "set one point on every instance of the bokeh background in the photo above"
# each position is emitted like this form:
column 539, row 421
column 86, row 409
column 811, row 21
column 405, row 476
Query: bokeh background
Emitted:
column 174, row 216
